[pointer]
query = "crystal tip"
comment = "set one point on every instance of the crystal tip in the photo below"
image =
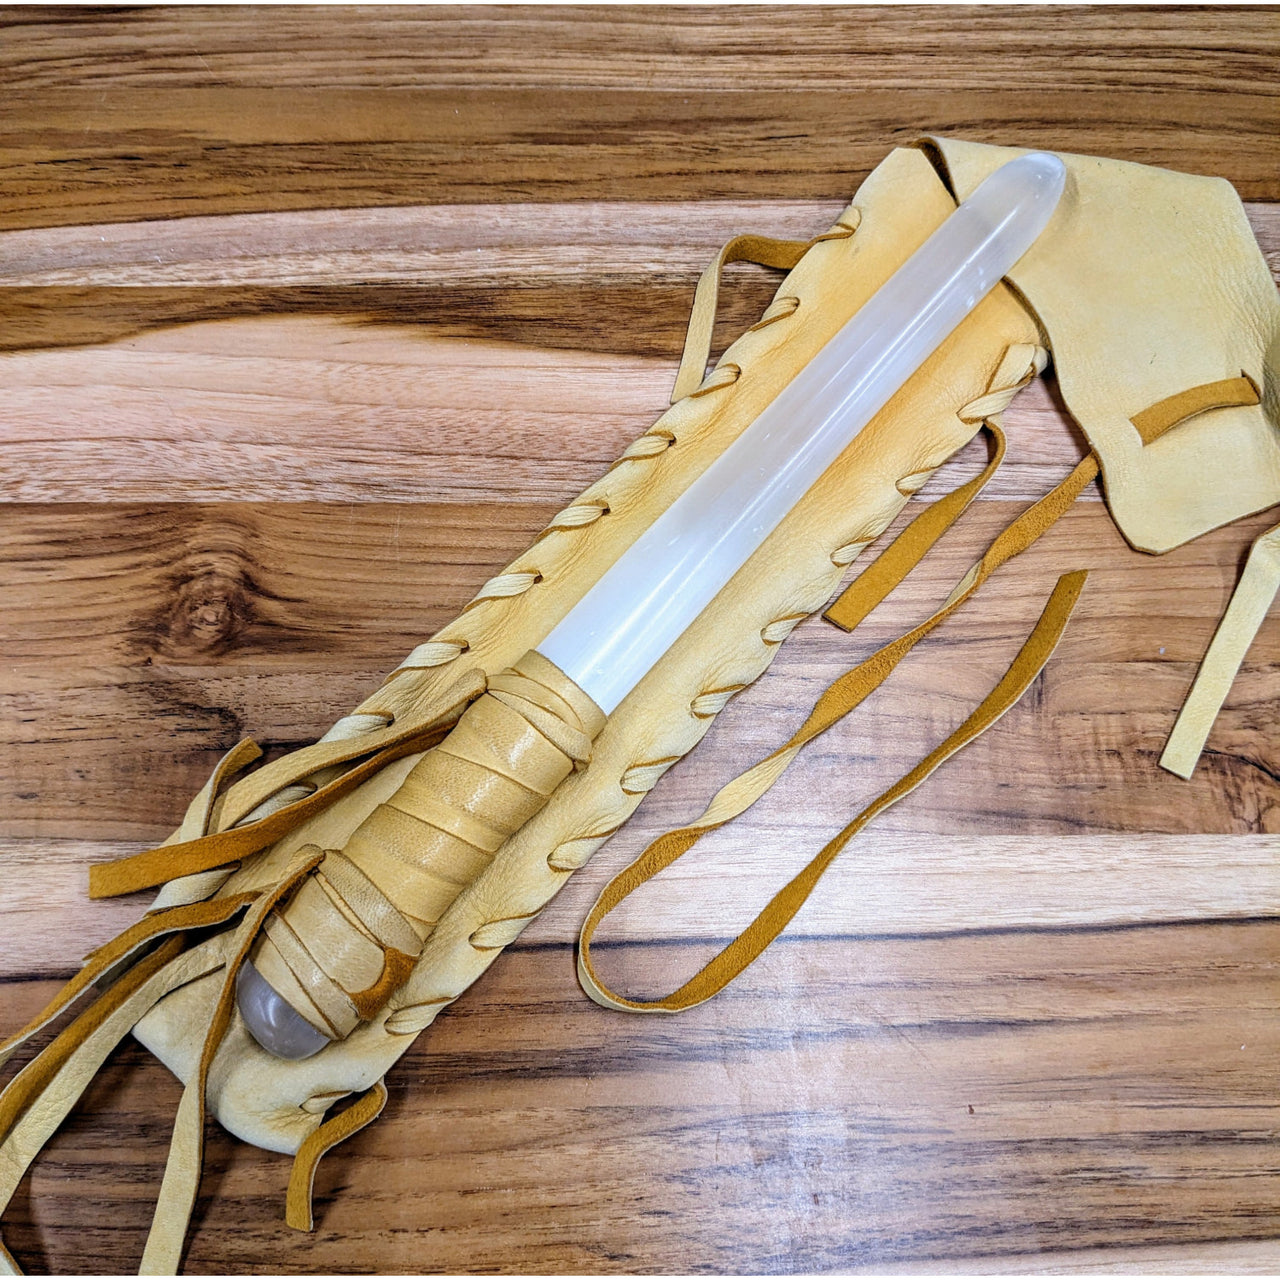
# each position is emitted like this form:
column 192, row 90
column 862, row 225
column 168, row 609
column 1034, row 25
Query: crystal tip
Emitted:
column 1043, row 171
column 272, row 1021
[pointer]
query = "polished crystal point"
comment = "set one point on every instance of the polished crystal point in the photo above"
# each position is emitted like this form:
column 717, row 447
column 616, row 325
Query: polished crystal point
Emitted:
column 655, row 590
column 272, row 1021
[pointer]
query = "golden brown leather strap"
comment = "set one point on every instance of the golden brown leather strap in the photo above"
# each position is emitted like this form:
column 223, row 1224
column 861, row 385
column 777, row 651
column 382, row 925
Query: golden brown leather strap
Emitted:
column 365, row 1110
column 200, row 915
column 32, row 1081
column 768, row 252
column 906, row 551
column 154, row 866
column 744, row 949
column 1227, row 393
column 1020, row 364
column 46, row 1109
column 1251, row 599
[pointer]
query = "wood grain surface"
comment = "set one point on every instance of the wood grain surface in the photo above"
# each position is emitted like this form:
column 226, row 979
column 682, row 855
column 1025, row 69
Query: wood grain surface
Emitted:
column 309, row 319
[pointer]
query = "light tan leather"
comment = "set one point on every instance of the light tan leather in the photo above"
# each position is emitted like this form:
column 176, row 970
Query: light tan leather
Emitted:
column 46, row 1110
column 157, row 926
column 906, row 551
column 163, row 1251
column 279, row 1104
column 1164, row 415
column 236, row 825
column 1151, row 284
column 1165, row 326
column 350, row 935
column 691, row 377
column 265, row 1100
column 1250, row 602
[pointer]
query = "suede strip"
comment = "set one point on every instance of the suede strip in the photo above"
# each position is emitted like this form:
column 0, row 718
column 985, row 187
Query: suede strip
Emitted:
column 1250, row 602
column 198, row 915
column 837, row 701
column 847, row 692
column 35, row 1077
column 163, row 1251
column 21, row 1143
column 365, row 1110
column 744, row 949
column 248, row 793
column 1228, row 393
column 906, row 551
column 154, row 866
column 201, row 815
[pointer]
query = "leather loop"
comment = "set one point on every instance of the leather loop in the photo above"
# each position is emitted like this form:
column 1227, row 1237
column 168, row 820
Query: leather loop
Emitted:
column 768, row 252
column 240, row 756
column 1228, row 393
column 837, row 701
column 1020, row 363
column 744, row 949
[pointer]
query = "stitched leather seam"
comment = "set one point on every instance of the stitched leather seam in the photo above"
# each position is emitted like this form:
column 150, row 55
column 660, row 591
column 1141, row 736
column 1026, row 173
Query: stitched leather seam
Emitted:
column 442, row 649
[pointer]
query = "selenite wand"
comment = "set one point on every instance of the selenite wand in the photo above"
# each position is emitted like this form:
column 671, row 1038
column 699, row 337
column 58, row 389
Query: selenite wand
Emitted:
column 651, row 595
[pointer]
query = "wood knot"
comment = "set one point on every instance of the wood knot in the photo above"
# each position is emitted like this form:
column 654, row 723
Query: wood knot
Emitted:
column 210, row 610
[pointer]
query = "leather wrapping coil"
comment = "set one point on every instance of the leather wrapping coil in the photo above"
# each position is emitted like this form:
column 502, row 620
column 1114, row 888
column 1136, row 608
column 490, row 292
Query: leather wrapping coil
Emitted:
column 350, row 935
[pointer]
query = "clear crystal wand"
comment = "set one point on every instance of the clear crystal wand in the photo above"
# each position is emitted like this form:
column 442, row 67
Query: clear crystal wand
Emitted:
column 650, row 596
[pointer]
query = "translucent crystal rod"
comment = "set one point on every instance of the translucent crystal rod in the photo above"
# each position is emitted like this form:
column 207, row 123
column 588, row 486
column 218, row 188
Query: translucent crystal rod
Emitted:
column 650, row 596
column 655, row 590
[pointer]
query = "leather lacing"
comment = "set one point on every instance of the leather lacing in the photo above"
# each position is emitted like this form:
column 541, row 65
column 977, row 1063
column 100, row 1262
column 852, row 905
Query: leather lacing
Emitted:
column 1019, row 365
column 440, row 651
column 443, row 649
column 353, row 726
column 643, row 775
column 846, row 693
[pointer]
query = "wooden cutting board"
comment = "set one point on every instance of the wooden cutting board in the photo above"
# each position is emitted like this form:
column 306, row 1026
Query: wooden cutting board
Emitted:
column 309, row 320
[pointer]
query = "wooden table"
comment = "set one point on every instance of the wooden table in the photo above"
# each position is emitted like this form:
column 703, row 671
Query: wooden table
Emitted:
column 310, row 319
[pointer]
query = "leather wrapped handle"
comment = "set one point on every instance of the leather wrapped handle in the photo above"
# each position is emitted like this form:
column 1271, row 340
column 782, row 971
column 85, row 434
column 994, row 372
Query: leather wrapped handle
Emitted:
column 350, row 935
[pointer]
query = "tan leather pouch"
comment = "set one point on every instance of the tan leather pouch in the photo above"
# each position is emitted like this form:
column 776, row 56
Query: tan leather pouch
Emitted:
column 281, row 1105
column 795, row 572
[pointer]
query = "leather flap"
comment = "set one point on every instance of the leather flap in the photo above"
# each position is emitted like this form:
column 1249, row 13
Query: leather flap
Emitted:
column 1150, row 285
